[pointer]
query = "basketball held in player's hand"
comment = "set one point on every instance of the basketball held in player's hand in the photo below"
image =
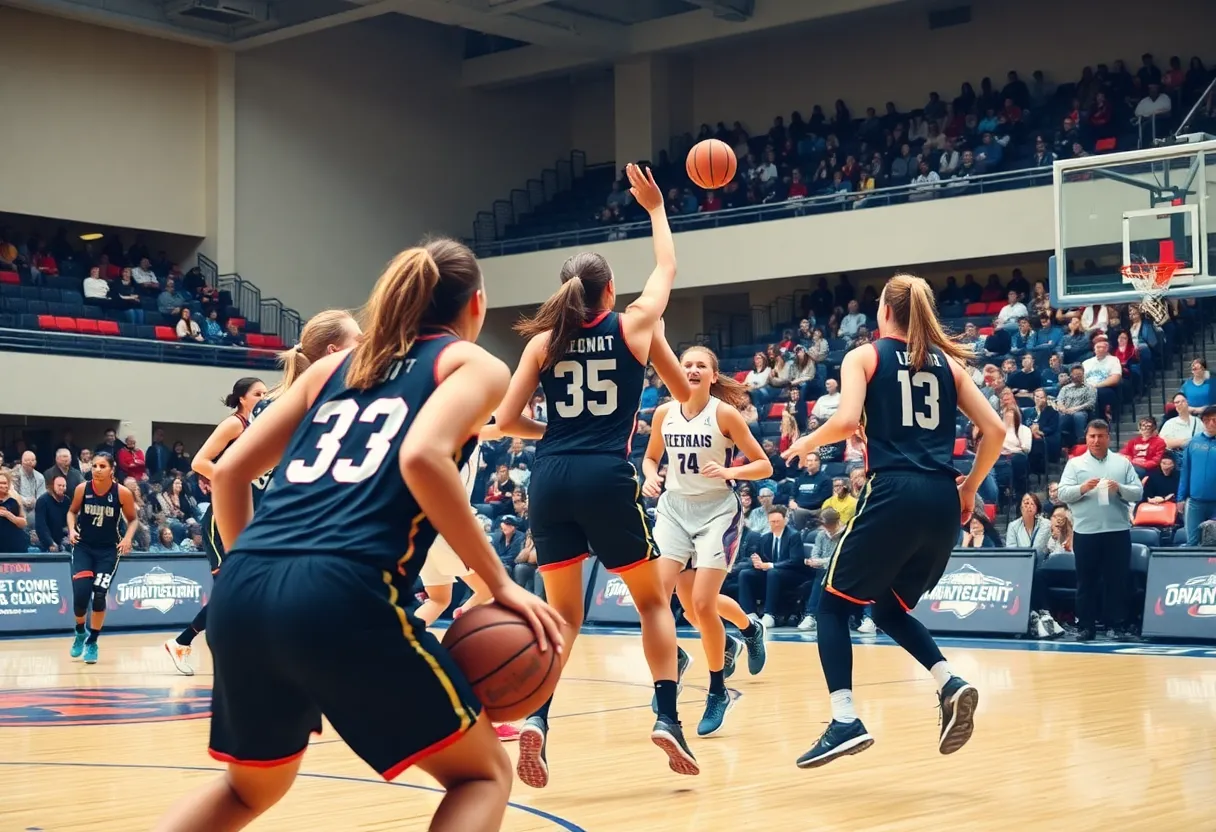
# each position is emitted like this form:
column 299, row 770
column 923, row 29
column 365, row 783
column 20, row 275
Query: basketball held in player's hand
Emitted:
column 497, row 650
column 711, row 164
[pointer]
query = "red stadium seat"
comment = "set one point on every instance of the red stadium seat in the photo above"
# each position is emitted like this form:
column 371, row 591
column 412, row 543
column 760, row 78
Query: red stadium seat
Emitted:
column 775, row 410
column 995, row 306
column 810, row 406
column 240, row 322
column 1105, row 145
column 65, row 324
column 985, row 330
column 165, row 333
column 107, row 328
column 739, row 376
column 1157, row 514
column 46, row 322
column 975, row 309
column 960, row 446
column 274, row 342
column 11, row 278
column 255, row 341
column 1077, row 450
column 990, row 511
column 87, row 326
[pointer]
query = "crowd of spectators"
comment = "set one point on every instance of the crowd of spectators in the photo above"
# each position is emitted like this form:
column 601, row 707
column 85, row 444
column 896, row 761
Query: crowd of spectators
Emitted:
column 940, row 146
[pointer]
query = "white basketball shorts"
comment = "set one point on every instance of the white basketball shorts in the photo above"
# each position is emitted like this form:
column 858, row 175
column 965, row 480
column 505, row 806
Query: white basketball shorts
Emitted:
column 704, row 530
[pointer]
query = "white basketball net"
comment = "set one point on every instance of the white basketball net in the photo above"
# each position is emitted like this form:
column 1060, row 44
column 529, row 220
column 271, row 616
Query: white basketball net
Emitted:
column 1151, row 280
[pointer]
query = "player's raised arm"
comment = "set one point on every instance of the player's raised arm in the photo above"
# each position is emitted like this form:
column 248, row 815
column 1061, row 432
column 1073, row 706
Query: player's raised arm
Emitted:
column 992, row 434
column 652, row 486
column 509, row 418
column 652, row 303
column 473, row 383
column 203, row 462
column 667, row 365
column 855, row 373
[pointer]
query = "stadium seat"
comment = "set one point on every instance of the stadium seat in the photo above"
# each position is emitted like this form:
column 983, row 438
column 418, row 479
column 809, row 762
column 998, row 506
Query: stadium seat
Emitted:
column 985, row 331
column 960, row 446
column 30, row 293
column 1157, row 514
column 107, row 328
column 975, row 309
column 1145, row 536
column 810, row 406
column 38, row 307
column 86, row 326
column 739, row 376
column 46, row 322
column 774, row 410
column 255, row 341
column 164, row 333
column 1077, row 450
column 143, row 331
column 10, row 278
column 990, row 511
column 1058, row 572
column 994, row 307
column 128, row 331
column 1105, row 145
column 240, row 322
column 65, row 324
column 274, row 342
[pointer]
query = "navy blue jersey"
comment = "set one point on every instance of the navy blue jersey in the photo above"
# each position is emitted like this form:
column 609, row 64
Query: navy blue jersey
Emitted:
column 593, row 393
column 909, row 414
column 263, row 482
column 97, row 520
column 338, row 489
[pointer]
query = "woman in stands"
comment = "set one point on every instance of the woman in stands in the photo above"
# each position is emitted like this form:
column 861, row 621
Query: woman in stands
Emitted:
column 245, row 395
column 699, row 518
column 584, row 495
column 325, row 333
column 307, row 621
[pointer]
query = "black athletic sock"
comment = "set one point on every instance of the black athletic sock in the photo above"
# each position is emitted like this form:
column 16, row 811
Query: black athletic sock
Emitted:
column 666, row 691
column 91, row 638
column 543, row 711
column 79, row 627
column 717, row 682
column 196, row 626
column 750, row 631
column 908, row 633
column 835, row 649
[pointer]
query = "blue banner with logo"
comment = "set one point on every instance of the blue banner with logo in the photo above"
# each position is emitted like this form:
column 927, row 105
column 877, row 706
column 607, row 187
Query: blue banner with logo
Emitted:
column 607, row 598
column 148, row 590
column 1180, row 594
column 982, row 591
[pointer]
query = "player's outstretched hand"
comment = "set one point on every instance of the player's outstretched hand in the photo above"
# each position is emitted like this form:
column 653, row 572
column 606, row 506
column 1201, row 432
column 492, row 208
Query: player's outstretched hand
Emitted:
column 546, row 623
column 715, row 471
column 798, row 449
column 643, row 187
column 653, row 486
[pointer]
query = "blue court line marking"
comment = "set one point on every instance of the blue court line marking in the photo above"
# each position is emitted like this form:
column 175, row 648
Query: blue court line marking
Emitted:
column 561, row 823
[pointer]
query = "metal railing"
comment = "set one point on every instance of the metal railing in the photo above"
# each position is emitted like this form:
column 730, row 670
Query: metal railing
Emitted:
column 828, row 203
column 270, row 314
column 134, row 349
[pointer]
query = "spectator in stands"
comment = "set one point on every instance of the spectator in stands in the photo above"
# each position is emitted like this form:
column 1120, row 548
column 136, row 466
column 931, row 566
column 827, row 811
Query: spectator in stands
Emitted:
column 1155, row 105
column 1179, row 430
column 164, row 541
column 498, row 493
column 187, row 327
column 852, row 322
column 812, row 486
column 157, row 455
column 1104, row 373
column 1030, row 530
column 213, row 333
column 1044, row 424
column 52, row 514
column 125, row 297
column 86, row 463
column 1023, row 338
column 1100, row 487
column 233, row 337
column 130, row 460
column 1076, row 402
column 619, row 197
column 1061, row 530
column 1049, row 335
column 1198, row 388
column 1146, row 450
column 828, row 403
column 96, row 290
column 1197, row 477
column 999, row 343
column 826, row 539
column 145, row 279
column 756, row 381
column 777, row 564
column 176, row 504
column 1024, row 381
column 109, row 444
column 508, row 542
column 1013, row 467
column 841, row 502
column 979, row 534
column 1161, row 484
column 14, row 538
column 170, row 301
column 28, row 485
column 63, row 467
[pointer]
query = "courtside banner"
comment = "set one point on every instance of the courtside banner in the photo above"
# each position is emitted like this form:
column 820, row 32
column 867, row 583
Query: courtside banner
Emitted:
column 608, row 599
column 983, row 591
column 1180, row 594
column 35, row 594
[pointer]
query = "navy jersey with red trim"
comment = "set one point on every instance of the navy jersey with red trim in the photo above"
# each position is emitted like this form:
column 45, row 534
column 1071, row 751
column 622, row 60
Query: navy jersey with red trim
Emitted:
column 98, row 518
column 338, row 489
column 263, row 482
column 593, row 393
column 909, row 414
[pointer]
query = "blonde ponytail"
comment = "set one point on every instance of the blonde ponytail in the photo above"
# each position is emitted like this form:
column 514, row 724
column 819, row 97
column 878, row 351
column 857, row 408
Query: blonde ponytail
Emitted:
column 331, row 328
column 911, row 302
column 394, row 315
column 562, row 315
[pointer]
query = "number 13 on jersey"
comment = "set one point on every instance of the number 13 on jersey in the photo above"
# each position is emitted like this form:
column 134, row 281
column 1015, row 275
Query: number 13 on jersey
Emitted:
column 920, row 393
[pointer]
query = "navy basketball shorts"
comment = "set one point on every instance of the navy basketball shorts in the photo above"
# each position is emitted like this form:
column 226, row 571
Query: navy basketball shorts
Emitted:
column 899, row 541
column 211, row 541
column 96, row 563
column 297, row 637
column 588, row 503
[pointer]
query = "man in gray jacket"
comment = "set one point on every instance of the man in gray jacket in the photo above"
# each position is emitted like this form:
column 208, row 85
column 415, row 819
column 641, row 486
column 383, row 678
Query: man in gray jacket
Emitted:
column 1100, row 487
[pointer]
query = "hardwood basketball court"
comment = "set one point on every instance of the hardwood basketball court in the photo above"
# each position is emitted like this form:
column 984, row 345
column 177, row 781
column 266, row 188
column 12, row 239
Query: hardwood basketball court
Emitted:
column 1076, row 737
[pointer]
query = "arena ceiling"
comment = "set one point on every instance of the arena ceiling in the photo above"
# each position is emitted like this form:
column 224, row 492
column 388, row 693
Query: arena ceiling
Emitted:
column 529, row 38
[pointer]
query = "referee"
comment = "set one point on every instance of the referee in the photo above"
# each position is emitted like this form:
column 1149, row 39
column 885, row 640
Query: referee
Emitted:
column 1100, row 487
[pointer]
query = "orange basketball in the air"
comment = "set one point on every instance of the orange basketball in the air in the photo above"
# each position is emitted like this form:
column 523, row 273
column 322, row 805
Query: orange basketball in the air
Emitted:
column 711, row 164
column 497, row 650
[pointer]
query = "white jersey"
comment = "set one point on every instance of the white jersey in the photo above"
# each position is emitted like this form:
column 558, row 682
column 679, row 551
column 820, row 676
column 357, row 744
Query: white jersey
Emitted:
column 690, row 444
column 468, row 474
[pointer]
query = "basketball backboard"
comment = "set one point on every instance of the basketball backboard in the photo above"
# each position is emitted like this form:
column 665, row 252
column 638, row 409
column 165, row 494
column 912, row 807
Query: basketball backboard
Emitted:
column 1143, row 205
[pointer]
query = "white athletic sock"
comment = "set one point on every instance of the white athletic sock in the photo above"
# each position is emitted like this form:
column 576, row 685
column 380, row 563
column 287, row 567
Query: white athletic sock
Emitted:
column 842, row 706
column 941, row 674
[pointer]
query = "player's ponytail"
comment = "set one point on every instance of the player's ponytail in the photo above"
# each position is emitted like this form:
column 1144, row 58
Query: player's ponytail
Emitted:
column 331, row 328
column 725, row 388
column 425, row 285
column 910, row 300
column 585, row 278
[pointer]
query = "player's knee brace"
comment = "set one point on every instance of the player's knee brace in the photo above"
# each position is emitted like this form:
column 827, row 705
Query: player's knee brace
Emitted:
column 832, row 604
column 99, row 599
column 82, row 588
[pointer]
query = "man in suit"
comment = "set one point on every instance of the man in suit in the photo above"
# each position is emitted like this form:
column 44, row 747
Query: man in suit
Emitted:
column 777, row 566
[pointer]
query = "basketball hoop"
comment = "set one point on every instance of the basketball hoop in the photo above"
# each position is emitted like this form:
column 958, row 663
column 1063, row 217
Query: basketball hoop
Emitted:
column 1152, row 280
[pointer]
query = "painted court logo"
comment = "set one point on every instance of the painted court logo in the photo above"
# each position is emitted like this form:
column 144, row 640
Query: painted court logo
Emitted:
column 101, row 706
column 968, row 590
column 158, row 590
column 1197, row 596
column 615, row 591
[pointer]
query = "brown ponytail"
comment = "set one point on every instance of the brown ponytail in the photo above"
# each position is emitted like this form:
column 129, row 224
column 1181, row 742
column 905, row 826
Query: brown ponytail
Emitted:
column 725, row 388
column 333, row 327
column 429, row 284
column 915, row 312
column 585, row 278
